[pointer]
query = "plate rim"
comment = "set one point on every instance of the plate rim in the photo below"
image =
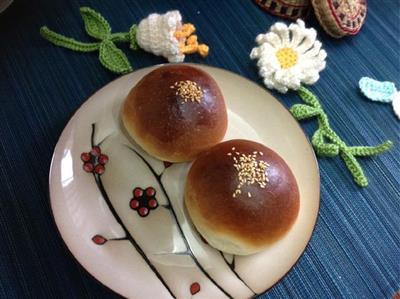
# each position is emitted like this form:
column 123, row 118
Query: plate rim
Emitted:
column 315, row 160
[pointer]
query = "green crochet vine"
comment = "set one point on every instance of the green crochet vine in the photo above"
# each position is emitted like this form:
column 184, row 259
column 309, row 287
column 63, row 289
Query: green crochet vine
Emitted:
column 327, row 143
column 97, row 27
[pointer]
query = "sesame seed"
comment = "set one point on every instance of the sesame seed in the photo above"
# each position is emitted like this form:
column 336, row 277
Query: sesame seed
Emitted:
column 188, row 91
column 250, row 170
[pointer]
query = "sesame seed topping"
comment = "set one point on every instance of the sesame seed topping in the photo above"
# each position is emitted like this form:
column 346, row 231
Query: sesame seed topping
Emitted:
column 188, row 91
column 250, row 170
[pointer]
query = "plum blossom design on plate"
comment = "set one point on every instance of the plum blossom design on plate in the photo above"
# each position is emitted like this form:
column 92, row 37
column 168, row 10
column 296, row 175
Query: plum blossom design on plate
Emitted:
column 94, row 160
column 143, row 201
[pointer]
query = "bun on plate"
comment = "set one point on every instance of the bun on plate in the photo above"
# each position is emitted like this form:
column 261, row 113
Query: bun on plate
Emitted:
column 175, row 112
column 241, row 196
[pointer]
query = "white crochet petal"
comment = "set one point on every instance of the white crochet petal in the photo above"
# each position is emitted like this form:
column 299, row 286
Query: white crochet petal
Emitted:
column 273, row 39
column 310, row 35
column 268, row 61
column 301, row 23
column 297, row 36
column 322, row 55
column 155, row 34
column 310, row 76
column 314, row 51
column 282, row 76
column 280, row 87
column 288, row 78
column 293, row 79
column 269, row 82
column 266, row 72
column 255, row 53
column 282, row 31
column 297, row 33
column 260, row 39
column 267, row 48
column 312, row 63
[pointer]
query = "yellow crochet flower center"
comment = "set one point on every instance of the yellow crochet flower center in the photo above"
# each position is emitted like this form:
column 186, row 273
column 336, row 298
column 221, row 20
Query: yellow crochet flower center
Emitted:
column 287, row 57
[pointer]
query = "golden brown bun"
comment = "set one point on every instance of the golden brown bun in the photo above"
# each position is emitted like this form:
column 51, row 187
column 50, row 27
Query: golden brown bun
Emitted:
column 242, row 224
column 166, row 126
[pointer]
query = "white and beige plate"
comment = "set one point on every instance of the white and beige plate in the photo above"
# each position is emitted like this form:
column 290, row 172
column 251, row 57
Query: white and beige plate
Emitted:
column 147, row 247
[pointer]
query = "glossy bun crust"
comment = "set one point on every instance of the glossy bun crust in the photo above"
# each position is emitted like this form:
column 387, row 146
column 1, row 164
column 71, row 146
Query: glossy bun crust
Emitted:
column 242, row 224
column 166, row 126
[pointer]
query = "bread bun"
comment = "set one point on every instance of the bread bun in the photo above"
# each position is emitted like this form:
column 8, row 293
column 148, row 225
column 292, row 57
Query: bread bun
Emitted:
column 175, row 112
column 241, row 196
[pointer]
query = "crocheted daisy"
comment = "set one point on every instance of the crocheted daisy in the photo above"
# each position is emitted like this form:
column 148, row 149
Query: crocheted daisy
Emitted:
column 289, row 56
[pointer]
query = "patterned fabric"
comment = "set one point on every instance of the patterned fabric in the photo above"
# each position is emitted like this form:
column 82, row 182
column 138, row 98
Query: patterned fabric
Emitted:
column 289, row 9
column 355, row 248
column 340, row 17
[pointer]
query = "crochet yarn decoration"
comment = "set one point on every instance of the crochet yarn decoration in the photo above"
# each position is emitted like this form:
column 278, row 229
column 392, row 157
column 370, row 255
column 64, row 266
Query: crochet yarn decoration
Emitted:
column 288, row 58
column 378, row 91
column 161, row 34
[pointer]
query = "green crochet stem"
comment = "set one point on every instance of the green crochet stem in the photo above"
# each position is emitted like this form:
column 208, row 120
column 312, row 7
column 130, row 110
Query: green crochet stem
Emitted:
column 327, row 143
column 97, row 27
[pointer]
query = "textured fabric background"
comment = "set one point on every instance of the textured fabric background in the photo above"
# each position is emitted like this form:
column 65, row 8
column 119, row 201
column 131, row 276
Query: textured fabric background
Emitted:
column 355, row 249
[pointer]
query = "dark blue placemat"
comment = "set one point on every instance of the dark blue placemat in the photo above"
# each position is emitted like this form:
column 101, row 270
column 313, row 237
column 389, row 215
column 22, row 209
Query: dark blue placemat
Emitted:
column 355, row 249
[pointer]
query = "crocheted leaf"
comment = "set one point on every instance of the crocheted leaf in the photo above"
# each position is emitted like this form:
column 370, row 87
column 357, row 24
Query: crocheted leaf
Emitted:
column 322, row 148
column 113, row 58
column 376, row 90
column 301, row 111
column 95, row 25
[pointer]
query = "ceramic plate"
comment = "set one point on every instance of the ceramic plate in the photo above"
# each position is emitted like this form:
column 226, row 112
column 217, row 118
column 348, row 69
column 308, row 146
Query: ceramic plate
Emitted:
column 121, row 212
